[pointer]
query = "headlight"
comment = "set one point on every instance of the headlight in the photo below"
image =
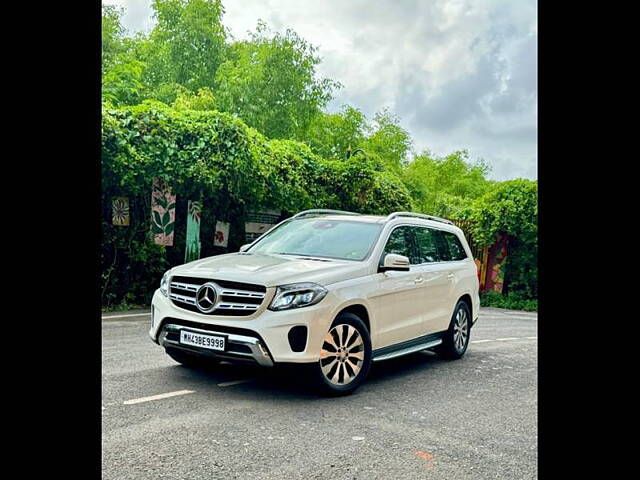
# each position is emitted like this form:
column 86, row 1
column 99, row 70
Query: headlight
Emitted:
column 297, row 295
column 164, row 284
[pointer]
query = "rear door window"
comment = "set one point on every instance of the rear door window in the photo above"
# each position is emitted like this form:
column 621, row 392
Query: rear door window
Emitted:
column 443, row 247
column 426, row 243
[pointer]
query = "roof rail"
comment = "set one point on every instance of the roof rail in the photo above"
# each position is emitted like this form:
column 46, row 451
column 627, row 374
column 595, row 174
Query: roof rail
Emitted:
column 321, row 211
column 418, row 215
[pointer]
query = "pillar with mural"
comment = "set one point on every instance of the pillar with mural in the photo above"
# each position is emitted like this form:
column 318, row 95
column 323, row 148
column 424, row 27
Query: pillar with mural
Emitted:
column 492, row 264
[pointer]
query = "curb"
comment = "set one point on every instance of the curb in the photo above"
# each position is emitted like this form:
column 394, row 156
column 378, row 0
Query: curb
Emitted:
column 126, row 316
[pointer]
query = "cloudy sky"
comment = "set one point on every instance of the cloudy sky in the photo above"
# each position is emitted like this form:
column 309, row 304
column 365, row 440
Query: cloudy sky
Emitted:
column 460, row 74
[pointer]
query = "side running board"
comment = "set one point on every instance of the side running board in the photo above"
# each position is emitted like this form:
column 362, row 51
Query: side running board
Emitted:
column 405, row 348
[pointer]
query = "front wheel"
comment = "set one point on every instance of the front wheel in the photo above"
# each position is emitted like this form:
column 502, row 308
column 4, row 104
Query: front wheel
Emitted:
column 345, row 356
column 456, row 339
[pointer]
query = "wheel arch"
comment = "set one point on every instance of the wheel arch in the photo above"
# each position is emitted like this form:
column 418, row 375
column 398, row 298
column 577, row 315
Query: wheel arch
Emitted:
column 360, row 310
column 466, row 298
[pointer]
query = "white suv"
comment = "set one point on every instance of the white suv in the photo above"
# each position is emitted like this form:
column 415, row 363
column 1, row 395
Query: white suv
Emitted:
column 334, row 290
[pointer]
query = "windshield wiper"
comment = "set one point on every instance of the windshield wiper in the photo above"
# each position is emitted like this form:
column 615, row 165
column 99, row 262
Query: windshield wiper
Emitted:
column 301, row 255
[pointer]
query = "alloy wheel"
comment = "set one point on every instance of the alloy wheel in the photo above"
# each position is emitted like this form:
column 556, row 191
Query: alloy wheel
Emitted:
column 342, row 354
column 460, row 330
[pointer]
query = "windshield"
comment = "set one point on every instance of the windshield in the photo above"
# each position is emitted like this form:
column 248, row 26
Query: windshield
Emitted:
column 341, row 239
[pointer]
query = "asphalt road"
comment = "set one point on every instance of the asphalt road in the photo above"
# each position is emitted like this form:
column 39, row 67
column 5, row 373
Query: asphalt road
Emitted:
column 415, row 417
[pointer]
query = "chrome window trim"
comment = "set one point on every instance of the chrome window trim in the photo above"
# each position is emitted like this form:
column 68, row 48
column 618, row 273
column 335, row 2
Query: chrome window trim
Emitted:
column 422, row 226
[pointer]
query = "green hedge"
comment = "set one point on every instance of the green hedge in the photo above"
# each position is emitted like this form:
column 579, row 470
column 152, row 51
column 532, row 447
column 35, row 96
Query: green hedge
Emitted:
column 511, row 207
column 234, row 167
column 511, row 301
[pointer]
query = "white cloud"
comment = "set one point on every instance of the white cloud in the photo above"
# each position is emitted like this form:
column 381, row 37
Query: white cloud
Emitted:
column 460, row 74
column 137, row 14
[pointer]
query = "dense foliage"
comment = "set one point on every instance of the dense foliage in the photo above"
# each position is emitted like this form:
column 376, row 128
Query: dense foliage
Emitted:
column 511, row 207
column 444, row 186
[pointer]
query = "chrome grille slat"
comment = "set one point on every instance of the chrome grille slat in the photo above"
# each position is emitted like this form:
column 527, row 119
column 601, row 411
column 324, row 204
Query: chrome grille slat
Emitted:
column 185, row 286
column 241, row 293
column 236, row 306
column 183, row 299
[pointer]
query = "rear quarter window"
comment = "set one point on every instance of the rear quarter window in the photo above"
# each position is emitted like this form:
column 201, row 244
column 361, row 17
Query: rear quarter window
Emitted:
column 456, row 250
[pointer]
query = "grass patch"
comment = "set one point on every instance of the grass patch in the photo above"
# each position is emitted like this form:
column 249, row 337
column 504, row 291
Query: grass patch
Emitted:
column 123, row 306
column 512, row 301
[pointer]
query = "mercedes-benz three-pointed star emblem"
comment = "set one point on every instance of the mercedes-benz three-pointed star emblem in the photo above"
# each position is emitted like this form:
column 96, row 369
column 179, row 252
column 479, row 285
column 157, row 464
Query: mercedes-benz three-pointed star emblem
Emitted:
column 206, row 298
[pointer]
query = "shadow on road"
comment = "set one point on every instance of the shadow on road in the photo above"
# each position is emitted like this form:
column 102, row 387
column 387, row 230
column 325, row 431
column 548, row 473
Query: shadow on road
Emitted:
column 294, row 382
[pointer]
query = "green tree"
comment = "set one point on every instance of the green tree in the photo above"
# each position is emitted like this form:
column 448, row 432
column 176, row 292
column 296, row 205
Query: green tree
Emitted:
column 331, row 134
column 202, row 100
column 270, row 83
column 185, row 47
column 112, row 34
column 122, row 82
column 388, row 141
column 443, row 186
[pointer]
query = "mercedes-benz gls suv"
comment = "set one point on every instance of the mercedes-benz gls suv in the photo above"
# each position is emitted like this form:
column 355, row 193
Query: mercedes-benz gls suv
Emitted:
column 333, row 290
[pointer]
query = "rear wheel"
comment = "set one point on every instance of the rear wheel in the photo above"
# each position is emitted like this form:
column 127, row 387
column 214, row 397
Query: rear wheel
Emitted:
column 345, row 356
column 192, row 360
column 456, row 339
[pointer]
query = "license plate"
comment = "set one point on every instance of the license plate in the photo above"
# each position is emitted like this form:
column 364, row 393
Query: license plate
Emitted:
column 210, row 342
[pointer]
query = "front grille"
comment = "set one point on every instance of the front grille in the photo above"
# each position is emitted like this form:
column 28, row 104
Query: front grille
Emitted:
column 233, row 298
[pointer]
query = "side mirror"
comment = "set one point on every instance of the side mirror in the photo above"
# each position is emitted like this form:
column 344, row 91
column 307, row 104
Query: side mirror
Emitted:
column 393, row 261
column 244, row 247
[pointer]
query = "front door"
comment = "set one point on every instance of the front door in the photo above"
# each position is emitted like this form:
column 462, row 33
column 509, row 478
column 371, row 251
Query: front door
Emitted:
column 399, row 296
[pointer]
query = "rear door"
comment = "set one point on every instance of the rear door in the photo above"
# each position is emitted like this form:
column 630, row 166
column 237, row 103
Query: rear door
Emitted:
column 455, row 264
column 437, row 281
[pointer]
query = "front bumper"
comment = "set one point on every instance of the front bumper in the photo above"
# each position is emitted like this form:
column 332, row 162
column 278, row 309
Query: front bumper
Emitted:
column 262, row 337
column 239, row 347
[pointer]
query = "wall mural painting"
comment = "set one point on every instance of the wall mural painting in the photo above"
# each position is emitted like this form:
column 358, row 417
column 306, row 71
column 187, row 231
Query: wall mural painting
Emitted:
column 496, row 263
column 221, row 237
column 120, row 211
column 163, row 212
column 192, row 247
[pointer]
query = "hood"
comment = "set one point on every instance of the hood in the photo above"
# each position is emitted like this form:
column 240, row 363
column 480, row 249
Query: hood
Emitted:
column 272, row 270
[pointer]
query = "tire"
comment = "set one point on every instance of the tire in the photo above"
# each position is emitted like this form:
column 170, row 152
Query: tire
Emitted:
column 456, row 339
column 191, row 360
column 340, row 371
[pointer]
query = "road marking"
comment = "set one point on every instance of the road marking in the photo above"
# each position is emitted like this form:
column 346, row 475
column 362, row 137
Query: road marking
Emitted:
column 507, row 317
column 235, row 382
column 128, row 315
column 157, row 397
column 504, row 339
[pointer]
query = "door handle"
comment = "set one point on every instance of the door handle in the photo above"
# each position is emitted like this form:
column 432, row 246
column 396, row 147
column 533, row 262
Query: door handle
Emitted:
column 450, row 276
column 418, row 280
